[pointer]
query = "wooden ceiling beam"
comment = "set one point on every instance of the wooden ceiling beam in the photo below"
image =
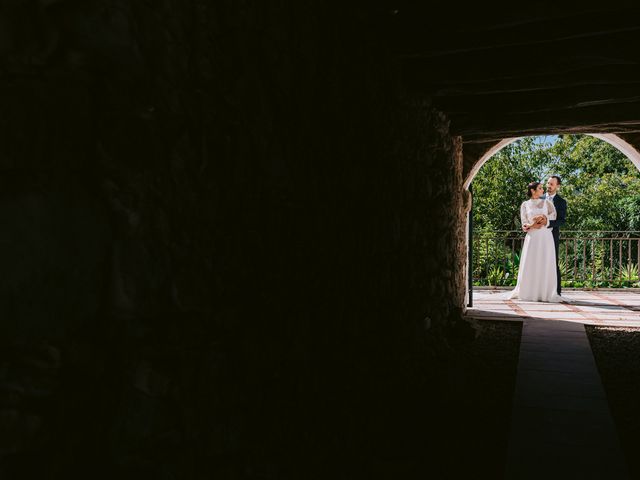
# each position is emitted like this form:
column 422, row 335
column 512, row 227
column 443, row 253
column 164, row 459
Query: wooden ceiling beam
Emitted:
column 492, row 137
column 540, row 100
column 597, row 76
column 481, row 139
column 517, row 63
column 591, row 116
column 415, row 31
column 467, row 46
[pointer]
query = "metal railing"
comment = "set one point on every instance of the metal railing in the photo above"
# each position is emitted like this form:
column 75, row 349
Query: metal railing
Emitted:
column 587, row 259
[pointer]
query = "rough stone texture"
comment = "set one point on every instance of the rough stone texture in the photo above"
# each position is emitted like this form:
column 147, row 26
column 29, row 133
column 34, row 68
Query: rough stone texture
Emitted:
column 234, row 244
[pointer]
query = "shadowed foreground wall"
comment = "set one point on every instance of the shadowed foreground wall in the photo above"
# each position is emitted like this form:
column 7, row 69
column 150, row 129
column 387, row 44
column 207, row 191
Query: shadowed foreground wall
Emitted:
column 232, row 245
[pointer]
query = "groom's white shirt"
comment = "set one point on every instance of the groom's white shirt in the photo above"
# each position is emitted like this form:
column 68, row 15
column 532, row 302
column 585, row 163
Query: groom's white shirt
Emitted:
column 549, row 197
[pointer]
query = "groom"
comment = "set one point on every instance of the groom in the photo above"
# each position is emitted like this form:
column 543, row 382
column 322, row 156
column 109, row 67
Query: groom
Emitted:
column 553, row 184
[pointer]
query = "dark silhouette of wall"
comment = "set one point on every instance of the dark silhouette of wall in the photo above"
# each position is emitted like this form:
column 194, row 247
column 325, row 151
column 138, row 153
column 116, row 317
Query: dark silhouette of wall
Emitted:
column 232, row 244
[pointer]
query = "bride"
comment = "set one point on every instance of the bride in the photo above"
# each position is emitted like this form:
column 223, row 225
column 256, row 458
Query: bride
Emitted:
column 537, row 278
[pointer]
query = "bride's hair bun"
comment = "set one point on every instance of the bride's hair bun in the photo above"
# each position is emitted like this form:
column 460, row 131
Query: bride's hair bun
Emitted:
column 530, row 187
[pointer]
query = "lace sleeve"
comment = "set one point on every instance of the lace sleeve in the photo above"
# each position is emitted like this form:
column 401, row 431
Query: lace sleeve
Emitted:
column 551, row 210
column 524, row 214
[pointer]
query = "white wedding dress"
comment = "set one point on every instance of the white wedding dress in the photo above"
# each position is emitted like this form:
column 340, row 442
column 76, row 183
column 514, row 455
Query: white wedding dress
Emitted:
column 537, row 280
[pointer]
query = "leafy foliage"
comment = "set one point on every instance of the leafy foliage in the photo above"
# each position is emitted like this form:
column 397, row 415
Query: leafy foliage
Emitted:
column 601, row 185
column 602, row 189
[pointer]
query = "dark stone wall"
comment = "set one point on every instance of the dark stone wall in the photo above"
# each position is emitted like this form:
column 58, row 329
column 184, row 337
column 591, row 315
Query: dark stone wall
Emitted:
column 233, row 243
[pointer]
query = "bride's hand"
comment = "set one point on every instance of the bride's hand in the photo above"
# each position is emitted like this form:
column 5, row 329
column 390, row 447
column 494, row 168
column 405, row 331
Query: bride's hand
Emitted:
column 537, row 224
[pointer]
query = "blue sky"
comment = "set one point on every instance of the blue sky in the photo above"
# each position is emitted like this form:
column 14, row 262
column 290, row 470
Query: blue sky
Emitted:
column 546, row 139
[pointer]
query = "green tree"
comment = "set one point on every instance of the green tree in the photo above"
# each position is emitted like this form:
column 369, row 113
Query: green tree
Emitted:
column 601, row 185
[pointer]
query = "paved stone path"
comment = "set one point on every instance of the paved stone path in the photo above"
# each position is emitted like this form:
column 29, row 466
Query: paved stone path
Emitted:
column 561, row 426
column 615, row 308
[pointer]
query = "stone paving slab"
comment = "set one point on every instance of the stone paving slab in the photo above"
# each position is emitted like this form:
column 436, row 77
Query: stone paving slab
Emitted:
column 561, row 425
column 548, row 362
column 566, row 461
column 562, row 402
column 616, row 308
column 558, row 382
column 539, row 345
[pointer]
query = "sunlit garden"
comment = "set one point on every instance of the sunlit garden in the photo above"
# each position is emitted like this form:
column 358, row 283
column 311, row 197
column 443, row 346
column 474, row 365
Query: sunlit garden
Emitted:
column 600, row 242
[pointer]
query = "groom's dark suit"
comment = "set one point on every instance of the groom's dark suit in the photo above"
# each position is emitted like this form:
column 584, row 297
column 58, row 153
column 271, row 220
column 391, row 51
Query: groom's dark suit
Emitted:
column 561, row 216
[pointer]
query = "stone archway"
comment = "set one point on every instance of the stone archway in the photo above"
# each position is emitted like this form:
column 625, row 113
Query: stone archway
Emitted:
column 629, row 150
